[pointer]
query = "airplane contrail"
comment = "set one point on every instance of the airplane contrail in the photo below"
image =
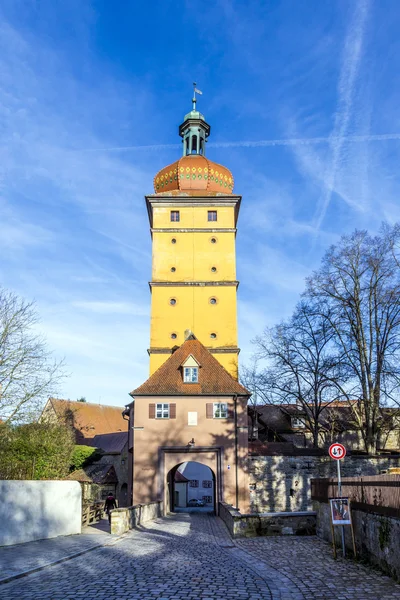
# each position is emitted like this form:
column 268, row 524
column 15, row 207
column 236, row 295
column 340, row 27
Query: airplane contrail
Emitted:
column 261, row 143
column 352, row 55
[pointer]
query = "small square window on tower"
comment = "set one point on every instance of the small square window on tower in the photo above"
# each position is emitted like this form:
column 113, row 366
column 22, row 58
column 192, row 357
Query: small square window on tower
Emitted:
column 175, row 216
column 212, row 215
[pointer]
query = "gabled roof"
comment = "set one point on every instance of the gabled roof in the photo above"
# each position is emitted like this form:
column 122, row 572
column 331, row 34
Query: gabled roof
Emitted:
column 96, row 473
column 110, row 443
column 89, row 419
column 179, row 478
column 214, row 380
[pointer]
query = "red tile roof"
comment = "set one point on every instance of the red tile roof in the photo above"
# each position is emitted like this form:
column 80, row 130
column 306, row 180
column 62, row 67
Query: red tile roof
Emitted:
column 179, row 478
column 90, row 419
column 214, row 380
column 96, row 473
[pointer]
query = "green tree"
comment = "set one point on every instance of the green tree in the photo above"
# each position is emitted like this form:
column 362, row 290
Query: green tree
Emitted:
column 35, row 451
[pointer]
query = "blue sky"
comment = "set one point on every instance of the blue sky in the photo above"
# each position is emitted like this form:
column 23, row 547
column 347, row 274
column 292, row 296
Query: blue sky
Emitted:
column 303, row 101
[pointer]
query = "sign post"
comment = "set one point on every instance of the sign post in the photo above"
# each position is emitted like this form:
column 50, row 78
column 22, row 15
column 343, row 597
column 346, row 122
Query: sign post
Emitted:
column 337, row 452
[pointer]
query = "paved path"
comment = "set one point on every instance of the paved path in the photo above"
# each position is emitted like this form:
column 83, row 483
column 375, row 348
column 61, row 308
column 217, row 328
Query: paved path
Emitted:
column 16, row 560
column 192, row 557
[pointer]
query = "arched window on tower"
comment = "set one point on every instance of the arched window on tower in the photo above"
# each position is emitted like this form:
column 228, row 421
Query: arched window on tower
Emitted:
column 201, row 146
column 194, row 144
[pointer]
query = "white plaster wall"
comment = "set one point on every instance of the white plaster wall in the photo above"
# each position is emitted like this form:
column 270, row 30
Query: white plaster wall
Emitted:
column 181, row 489
column 35, row 510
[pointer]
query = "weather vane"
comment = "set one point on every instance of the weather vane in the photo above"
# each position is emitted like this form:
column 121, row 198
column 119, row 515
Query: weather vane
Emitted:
column 195, row 91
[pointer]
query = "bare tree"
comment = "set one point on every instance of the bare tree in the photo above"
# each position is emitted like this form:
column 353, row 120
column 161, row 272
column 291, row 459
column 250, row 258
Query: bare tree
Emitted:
column 301, row 367
column 357, row 292
column 28, row 373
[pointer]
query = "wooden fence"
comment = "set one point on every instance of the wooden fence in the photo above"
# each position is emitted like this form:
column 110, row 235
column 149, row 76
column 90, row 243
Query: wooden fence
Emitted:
column 379, row 494
column 91, row 513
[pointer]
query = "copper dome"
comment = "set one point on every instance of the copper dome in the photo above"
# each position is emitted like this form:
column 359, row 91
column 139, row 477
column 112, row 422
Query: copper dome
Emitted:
column 194, row 173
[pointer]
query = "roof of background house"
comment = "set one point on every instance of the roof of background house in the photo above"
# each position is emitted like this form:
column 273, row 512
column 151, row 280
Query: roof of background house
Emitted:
column 258, row 448
column 274, row 417
column 214, row 380
column 110, row 443
column 96, row 473
column 338, row 414
column 179, row 478
column 90, row 419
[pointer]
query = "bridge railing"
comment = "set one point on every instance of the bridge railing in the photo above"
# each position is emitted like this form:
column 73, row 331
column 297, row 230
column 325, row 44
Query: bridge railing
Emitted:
column 91, row 513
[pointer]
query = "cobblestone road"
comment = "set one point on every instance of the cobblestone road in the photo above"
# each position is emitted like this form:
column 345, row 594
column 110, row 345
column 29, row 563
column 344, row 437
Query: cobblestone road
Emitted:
column 191, row 557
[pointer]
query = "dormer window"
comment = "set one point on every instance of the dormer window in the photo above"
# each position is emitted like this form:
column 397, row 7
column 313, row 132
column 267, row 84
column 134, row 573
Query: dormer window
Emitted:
column 296, row 423
column 190, row 374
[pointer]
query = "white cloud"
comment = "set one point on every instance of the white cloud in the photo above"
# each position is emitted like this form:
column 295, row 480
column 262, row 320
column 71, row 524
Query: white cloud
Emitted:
column 113, row 308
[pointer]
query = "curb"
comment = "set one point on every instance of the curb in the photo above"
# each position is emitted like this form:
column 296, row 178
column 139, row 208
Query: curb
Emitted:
column 61, row 560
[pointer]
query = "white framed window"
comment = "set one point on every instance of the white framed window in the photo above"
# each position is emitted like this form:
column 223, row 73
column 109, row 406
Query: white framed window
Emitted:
column 207, row 499
column 296, row 422
column 162, row 411
column 190, row 374
column 207, row 483
column 194, row 483
column 220, row 410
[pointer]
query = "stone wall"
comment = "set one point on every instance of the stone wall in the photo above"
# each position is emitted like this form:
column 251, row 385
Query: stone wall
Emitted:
column 37, row 510
column 377, row 537
column 268, row 524
column 124, row 519
column 282, row 483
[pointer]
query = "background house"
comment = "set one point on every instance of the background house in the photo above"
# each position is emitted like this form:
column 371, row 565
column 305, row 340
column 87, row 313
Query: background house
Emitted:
column 97, row 481
column 181, row 490
column 200, row 482
column 287, row 424
column 99, row 426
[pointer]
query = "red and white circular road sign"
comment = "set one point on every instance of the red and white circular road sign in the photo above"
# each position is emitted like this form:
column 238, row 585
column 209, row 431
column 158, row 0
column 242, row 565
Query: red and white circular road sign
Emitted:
column 337, row 451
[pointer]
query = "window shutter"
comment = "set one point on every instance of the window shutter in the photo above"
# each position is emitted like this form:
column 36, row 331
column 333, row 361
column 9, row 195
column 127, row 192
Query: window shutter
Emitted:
column 230, row 413
column 172, row 411
column 152, row 411
column 209, row 410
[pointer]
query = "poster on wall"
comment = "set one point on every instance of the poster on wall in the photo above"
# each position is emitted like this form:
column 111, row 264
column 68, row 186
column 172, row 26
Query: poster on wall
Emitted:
column 340, row 511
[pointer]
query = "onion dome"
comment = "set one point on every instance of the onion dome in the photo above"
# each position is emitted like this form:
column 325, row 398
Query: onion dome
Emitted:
column 194, row 173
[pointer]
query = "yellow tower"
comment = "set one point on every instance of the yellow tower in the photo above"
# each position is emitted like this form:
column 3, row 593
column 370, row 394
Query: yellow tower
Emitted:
column 193, row 216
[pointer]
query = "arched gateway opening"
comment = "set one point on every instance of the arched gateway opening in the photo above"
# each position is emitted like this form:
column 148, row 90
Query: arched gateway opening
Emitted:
column 191, row 488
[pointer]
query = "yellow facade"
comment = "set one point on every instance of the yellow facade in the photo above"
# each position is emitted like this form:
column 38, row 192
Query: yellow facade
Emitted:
column 193, row 282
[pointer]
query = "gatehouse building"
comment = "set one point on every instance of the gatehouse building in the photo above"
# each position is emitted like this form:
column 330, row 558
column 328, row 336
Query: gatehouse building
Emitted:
column 192, row 408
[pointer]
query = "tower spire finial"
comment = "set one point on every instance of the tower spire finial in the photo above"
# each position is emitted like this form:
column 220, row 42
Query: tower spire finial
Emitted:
column 195, row 91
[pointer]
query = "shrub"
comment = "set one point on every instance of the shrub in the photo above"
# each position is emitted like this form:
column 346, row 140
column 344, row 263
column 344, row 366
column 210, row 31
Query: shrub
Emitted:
column 83, row 456
column 35, row 451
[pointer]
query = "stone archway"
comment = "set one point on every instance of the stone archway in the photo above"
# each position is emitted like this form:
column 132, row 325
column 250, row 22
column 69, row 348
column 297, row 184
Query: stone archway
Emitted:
column 171, row 458
column 191, row 486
